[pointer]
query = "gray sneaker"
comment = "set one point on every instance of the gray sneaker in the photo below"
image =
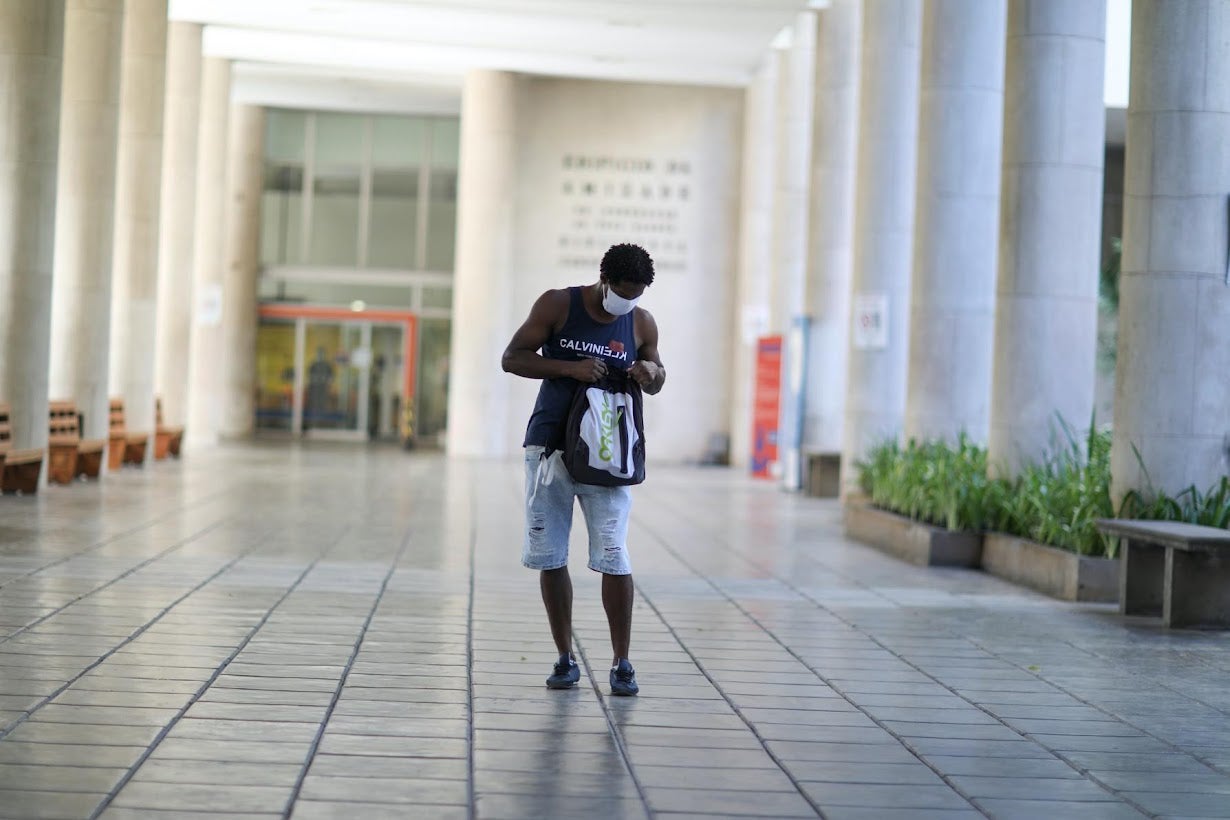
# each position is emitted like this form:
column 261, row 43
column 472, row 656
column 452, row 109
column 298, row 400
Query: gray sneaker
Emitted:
column 623, row 679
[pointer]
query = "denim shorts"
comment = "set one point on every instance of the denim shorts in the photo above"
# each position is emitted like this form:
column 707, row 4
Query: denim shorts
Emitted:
column 549, row 494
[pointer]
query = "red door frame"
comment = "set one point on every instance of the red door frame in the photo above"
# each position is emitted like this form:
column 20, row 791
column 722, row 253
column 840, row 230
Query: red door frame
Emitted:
column 406, row 319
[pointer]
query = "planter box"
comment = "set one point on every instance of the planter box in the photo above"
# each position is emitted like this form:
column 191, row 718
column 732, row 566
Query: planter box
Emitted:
column 1055, row 572
column 911, row 541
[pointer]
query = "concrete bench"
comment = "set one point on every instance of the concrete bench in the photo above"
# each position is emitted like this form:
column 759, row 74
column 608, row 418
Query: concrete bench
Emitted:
column 1178, row 571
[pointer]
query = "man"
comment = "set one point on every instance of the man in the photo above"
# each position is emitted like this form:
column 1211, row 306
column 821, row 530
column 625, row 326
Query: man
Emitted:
column 582, row 332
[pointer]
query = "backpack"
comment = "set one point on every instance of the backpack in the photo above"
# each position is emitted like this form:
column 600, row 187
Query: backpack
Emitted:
column 604, row 434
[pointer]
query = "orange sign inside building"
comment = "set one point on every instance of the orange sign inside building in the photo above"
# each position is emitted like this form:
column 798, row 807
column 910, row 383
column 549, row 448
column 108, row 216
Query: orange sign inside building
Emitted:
column 766, row 405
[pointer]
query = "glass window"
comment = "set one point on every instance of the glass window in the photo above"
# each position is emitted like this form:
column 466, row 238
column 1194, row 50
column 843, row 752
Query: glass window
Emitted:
column 339, row 140
column 285, row 136
column 281, row 213
column 335, row 218
column 437, row 297
column 442, row 205
column 393, row 238
column 397, row 155
column 282, row 202
column 338, row 151
column 397, row 142
column 406, row 167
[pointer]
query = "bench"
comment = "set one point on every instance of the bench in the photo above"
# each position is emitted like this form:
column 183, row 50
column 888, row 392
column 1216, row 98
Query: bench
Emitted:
column 19, row 469
column 1176, row 570
column 68, row 455
column 166, row 439
column 125, row 447
column 821, row 474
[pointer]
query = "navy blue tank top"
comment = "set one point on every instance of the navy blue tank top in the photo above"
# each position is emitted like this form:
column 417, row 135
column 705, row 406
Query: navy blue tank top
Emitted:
column 580, row 337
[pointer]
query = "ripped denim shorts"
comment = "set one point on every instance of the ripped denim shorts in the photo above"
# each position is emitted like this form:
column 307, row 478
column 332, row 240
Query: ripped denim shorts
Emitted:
column 549, row 494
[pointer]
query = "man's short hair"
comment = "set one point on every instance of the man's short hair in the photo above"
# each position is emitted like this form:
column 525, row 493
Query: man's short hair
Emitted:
column 627, row 263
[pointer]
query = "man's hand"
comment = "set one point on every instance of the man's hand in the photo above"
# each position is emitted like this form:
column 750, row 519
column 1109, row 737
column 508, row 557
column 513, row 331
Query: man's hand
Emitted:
column 643, row 372
column 587, row 370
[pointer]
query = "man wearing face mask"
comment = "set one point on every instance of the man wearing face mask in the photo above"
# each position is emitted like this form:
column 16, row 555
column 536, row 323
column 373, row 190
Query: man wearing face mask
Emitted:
column 576, row 335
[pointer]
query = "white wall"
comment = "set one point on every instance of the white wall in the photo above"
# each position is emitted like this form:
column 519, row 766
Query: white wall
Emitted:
column 643, row 130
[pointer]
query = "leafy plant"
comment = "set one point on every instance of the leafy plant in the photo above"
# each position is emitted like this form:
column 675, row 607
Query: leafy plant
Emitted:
column 1108, row 307
column 1210, row 509
column 1055, row 502
column 935, row 482
column 1058, row 501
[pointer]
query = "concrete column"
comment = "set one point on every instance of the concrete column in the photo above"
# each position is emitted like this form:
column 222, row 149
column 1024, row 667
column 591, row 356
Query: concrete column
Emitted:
column 755, row 271
column 834, row 132
column 956, row 229
column 790, row 224
column 482, row 321
column 1050, row 212
column 245, row 180
column 796, row 84
column 85, row 209
column 31, row 48
column 204, row 354
column 177, row 217
column 1172, row 400
column 883, row 225
column 137, row 190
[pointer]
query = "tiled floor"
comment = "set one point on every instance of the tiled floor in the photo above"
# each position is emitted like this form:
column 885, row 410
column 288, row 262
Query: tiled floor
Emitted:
column 344, row 632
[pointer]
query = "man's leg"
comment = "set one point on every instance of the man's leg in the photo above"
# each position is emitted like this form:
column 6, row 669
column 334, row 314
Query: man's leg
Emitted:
column 557, row 598
column 617, row 594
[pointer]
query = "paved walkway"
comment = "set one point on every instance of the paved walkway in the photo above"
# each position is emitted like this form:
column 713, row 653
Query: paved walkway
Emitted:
column 345, row 632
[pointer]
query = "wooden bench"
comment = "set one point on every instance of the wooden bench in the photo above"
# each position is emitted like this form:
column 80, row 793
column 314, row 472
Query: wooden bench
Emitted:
column 125, row 447
column 68, row 455
column 1178, row 571
column 167, row 440
column 19, row 469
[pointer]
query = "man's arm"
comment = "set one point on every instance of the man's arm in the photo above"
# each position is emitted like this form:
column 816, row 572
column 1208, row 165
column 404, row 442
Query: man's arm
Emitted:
column 647, row 370
column 522, row 358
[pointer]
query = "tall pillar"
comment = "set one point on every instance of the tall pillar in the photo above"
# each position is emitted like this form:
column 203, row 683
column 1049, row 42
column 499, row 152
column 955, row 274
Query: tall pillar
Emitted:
column 1172, row 399
column 790, row 223
column 883, row 227
column 243, row 252
column 177, row 216
column 792, row 174
column 478, row 393
column 204, row 359
column 952, row 301
column 755, row 272
column 137, row 188
column 1050, row 213
column 832, row 223
column 31, row 48
column 85, row 209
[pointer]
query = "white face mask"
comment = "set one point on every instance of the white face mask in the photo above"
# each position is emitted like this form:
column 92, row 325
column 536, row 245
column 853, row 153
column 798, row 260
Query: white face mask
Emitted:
column 617, row 305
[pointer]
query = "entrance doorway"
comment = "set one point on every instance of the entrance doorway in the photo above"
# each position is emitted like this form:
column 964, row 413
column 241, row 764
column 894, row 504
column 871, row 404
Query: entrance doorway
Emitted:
column 331, row 373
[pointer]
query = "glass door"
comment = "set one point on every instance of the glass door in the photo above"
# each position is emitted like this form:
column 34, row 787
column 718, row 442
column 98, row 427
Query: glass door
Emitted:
column 386, row 399
column 336, row 374
column 275, row 375
column 337, row 369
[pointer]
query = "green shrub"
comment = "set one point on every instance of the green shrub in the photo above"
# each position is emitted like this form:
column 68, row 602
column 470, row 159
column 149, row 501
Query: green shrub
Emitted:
column 1211, row 509
column 1059, row 501
column 938, row 483
column 1056, row 502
